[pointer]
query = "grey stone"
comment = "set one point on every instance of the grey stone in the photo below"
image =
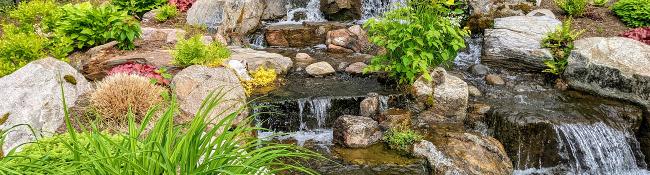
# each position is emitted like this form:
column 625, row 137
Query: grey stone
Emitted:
column 320, row 69
column 479, row 69
column 369, row 107
column 356, row 68
column 515, row 42
column 448, row 95
column 356, row 131
column 614, row 67
column 32, row 96
column 239, row 16
column 254, row 59
column 193, row 84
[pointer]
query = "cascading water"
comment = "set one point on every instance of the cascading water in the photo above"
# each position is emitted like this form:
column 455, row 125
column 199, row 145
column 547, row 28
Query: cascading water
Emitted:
column 311, row 13
column 598, row 149
column 375, row 8
column 319, row 109
column 257, row 40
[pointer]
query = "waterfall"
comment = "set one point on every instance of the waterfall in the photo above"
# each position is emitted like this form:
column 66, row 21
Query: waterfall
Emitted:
column 598, row 149
column 301, row 108
column 383, row 103
column 319, row 109
column 257, row 40
column 311, row 13
column 374, row 8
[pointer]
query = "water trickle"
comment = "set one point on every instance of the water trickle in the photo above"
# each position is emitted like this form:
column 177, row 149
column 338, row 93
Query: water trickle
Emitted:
column 311, row 13
column 471, row 54
column 598, row 149
column 383, row 103
column 257, row 40
column 375, row 8
column 319, row 109
column 301, row 109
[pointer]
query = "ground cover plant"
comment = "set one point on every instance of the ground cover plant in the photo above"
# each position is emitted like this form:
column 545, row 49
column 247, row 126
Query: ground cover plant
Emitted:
column 635, row 13
column 572, row 7
column 166, row 12
column 401, row 139
column 194, row 52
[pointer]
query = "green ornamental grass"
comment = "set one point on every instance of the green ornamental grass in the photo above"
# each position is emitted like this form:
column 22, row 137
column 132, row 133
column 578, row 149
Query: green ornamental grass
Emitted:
column 209, row 144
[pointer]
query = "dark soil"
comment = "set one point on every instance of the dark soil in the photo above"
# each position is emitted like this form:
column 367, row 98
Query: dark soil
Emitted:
column 596, row 22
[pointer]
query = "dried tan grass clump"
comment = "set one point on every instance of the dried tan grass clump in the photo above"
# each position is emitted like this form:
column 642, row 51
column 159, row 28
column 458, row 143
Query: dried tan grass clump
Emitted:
column 118, row 93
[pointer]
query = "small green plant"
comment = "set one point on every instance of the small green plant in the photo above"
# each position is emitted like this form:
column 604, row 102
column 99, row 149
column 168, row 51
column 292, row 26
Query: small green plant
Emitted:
column 560, row 42
column 166, row 12
column 401, row 140
column 600, row 3
column 17, row 49
column 635, row 13
column 417, row 37
column 138, row 7
column 43, row 14
column 572, row 7
column 193, row 52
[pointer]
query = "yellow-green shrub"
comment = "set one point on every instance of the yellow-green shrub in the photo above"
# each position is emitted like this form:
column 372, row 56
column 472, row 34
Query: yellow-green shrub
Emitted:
column 262, row 77
column 193, row 52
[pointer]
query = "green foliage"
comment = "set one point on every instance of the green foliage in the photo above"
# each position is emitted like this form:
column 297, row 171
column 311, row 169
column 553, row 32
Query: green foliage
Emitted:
column 572, row 7
column 600, row 3
column 635, row 13
column 17, row 49
column 166, row 12
column 45, row 13
column 209, row 144
column 87, row 25
column 401, row 140
column 194, row 52
column 138, row 7
column 560, row 42
column 416, row 37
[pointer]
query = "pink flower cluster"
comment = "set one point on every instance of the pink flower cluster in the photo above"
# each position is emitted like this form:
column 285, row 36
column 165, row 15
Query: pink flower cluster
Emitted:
column 145, row 70
column 639, row 34
column 182, row 5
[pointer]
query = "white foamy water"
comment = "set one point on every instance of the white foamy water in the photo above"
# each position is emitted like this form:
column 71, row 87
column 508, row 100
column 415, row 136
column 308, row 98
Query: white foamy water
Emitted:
column 376, row 8
column 321, row 137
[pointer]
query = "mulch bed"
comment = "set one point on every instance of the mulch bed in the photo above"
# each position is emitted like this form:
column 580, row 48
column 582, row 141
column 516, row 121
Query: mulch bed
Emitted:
column 596, row 22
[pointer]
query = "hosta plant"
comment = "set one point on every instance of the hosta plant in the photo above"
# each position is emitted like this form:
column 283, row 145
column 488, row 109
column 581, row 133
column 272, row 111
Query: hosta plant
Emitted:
column 416, row 37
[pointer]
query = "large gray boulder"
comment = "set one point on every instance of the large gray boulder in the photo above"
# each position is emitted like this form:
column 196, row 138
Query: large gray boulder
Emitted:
column 195, row 83
column 447, row 95
column 515, row 42
column 275, row 9
column 614, row 67
column 32, row 96
column 341, row 10
column 239, row 16
column 254, row 59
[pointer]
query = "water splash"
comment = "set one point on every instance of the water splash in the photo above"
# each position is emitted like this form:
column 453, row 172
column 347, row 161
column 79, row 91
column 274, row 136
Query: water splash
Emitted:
column 383, row 103
column 301, row 108
column 598, row 149
column 311, row 13
column 375, row 8
column 320, row 137
column 471, row 54
column 319, row 109
column 257, row 40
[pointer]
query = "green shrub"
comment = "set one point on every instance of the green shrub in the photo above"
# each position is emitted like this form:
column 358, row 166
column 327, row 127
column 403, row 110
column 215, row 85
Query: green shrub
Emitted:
column 635, row 13
column 208, row 144
column 194, row 52
column 401, row 140
column 416, row 37
column 572, row 7
column 45, row 13
column 560, row 42
column 166, row 12
column 88, row 26
column 600, row 3
column 18, row 48
column 138, row 7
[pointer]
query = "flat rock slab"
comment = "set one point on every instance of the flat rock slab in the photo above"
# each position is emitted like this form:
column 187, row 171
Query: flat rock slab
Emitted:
column 613, row 67
column 515, row 42
column 254, row 59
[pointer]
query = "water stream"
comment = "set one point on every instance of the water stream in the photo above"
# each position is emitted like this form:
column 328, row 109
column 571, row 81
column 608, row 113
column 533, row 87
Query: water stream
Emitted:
column 309, row 13
column 375, row 8
column 598, row 149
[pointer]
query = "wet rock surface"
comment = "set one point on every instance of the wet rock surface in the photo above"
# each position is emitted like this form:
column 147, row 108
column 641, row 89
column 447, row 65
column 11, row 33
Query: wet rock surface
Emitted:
column 320, row 69
column 239, row 16
column 623, row 72
column 300, row 35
